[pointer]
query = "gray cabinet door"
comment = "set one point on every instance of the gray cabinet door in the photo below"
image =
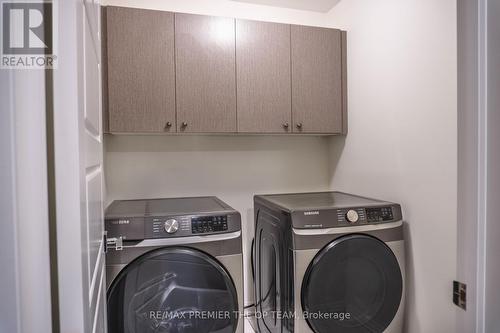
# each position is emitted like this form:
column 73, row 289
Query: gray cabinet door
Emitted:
column 263, row 77
column 141, row 77
column 205, row 73
column 316, row 80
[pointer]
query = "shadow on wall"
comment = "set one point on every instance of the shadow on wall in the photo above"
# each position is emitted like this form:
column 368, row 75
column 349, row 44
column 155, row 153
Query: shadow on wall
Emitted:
column 203, row 143
column 336, row 148
column 147, row 166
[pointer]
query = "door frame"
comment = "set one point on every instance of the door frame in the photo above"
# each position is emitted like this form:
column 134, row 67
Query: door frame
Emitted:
column 24, row 241
column 67, row 96
column 478, row 163
column 72, row 141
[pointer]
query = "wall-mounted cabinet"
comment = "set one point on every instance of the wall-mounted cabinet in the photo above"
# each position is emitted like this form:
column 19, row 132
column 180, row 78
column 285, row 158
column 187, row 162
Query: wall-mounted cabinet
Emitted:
column 316, row 80
column 263, row 76
column 205, row 66
column 184, row 73
column 140, row 85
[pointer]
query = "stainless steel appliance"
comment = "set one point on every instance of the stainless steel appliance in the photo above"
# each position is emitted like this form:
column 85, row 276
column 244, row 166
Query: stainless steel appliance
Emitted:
column 176, row 266
column 328, row 262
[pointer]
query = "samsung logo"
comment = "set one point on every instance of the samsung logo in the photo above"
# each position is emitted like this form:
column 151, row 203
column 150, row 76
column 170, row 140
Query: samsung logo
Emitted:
column 121, row 222
column 314, row 212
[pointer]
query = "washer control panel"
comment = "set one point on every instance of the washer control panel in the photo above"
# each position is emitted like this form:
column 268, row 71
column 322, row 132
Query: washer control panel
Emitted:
column 191, row 225
column 163, row 226
column 136, row 220
column 207, row 224
column 171, row 226
column 352, row 216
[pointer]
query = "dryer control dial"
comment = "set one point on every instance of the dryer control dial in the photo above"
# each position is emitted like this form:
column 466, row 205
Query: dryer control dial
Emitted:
column 171, row 226
column 352, row 216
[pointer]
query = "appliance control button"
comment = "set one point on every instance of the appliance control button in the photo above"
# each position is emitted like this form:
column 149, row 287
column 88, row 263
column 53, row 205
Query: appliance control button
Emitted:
column 171, row 226
column 352, row 216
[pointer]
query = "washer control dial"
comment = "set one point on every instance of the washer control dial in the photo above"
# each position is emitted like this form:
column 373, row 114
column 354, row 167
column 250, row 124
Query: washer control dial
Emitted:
column 352, row 216
column 171, row 226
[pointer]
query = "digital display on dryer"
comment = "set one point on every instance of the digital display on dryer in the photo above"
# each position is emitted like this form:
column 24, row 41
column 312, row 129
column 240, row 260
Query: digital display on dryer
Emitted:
column 206, row 224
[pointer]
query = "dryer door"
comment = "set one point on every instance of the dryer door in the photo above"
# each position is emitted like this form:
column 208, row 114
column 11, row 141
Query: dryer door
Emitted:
column 353, row 285
column 178, row 290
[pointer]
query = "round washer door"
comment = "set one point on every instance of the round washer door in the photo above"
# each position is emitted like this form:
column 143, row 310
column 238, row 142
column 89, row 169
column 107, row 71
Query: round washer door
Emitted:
column 175, row 290
column 353, row 285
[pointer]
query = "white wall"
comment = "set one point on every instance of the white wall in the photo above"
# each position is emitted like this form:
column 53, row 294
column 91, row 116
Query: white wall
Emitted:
column 402, row 141
column 230, row 167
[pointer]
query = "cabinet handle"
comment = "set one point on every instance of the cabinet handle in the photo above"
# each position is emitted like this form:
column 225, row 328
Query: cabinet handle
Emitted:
column 184, row 124
column 285, row 125
column 168, row 124
column 299, row 125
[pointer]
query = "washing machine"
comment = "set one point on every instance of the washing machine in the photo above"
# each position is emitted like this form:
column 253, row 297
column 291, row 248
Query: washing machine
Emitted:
column 328, row 262
column 174, row 265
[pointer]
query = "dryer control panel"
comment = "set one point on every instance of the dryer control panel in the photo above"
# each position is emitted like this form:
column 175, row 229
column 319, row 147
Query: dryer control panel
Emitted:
column 331, row 209
column 379, row 214
column 348, row 216
column 365, row 215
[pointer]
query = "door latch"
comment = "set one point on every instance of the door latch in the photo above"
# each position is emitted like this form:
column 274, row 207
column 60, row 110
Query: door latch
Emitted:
column 114, row 242
column 460, row 294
